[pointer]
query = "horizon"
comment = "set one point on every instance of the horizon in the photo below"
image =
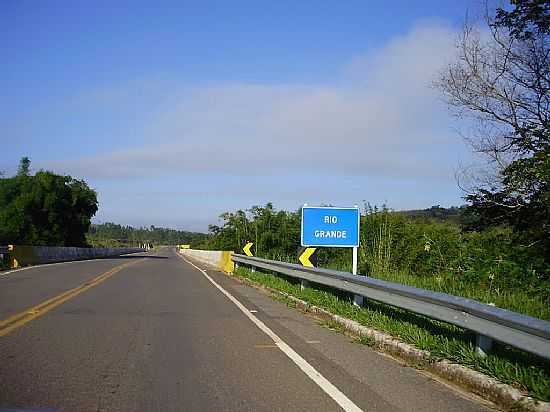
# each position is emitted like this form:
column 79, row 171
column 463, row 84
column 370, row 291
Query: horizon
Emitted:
column 361, row 211
column 177, row 114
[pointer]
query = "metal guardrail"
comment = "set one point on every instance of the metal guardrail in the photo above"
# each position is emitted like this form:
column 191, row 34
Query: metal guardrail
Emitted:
column 488, row 322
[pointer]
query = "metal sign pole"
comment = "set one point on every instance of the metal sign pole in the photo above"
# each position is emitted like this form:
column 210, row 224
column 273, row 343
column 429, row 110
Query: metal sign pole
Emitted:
column 354, row 264
column 358, row 300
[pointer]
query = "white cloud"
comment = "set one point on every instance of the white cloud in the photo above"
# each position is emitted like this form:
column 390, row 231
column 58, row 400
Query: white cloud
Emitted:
column 379, row 118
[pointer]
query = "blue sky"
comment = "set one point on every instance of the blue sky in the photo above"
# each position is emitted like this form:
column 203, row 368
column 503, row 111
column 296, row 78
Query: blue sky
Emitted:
column 177, row 111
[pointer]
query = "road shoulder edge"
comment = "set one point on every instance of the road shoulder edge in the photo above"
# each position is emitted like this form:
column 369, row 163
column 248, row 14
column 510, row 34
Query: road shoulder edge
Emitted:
column 323, row 383
column 458, row 376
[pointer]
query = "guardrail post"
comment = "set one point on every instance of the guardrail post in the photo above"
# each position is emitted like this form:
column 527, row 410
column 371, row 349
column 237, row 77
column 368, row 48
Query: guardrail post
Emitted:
column 358, row 300
column 303, row 284
column 253, row 269
column 483, row 344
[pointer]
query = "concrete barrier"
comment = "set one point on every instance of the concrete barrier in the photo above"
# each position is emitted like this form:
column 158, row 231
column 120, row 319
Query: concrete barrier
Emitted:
column 36, row 255
column 220, row 259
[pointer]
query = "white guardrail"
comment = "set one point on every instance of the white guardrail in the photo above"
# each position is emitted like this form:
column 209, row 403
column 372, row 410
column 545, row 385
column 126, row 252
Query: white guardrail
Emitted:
column 487, row 322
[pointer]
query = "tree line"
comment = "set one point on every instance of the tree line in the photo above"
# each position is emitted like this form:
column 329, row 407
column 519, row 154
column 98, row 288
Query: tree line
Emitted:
column 434, row 243
column 47, row 209
column 113, row 235
column 499, row 82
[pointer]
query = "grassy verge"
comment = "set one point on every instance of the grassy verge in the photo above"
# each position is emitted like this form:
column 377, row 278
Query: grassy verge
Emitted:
column 442, row 340
column 536, row 305
column 529, row 303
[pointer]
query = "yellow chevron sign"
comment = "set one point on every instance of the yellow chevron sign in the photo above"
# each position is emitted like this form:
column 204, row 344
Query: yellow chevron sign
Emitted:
column 305, row 256
column 247, row 250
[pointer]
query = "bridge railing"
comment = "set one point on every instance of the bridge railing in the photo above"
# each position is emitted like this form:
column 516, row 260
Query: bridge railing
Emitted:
column 3, row 256
column 487, row 322
column 19, row 256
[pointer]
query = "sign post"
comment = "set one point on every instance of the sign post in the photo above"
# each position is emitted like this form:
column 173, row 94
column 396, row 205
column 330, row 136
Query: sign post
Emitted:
column 332, row 227
column 354, row 264
column 358, row 300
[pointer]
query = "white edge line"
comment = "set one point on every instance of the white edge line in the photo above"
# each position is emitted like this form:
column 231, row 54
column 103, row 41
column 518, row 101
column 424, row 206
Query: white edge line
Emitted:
column 342, row 400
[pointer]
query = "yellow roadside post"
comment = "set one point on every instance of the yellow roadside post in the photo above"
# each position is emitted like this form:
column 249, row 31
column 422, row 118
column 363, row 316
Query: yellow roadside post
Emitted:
column 14, row 264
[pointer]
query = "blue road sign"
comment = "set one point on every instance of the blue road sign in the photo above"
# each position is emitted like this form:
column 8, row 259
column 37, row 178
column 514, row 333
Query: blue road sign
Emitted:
column 330, row 226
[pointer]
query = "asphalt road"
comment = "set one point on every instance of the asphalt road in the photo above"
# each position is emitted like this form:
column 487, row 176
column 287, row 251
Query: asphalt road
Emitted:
column 157, row 335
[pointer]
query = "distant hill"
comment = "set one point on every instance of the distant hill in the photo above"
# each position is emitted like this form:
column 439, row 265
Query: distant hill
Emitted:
column 452, row 214
column 112, row 234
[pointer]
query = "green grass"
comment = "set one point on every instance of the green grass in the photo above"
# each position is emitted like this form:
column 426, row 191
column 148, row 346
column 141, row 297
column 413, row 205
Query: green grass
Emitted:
column 534, row 303
column 442, row 340
column 518, row 301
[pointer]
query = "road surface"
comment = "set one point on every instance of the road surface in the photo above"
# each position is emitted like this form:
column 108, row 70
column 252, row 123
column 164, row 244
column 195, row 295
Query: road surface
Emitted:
column 151, row 332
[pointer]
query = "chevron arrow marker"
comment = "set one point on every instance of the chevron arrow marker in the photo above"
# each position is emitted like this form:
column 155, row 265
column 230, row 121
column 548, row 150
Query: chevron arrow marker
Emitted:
column 306, row 255
column 246, row 249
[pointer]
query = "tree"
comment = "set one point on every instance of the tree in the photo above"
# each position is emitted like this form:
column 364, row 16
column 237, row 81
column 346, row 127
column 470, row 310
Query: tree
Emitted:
column 45, row 209
column 275, row 234
column 501, row 82
column 24, row 167
column 528, row 19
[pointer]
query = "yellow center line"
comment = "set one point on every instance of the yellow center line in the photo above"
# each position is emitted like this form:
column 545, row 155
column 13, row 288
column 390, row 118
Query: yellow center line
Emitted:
column 25, row 316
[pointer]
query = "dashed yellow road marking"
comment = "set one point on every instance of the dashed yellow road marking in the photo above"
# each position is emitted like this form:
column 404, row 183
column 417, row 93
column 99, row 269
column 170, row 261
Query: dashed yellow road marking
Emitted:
column 21, row 318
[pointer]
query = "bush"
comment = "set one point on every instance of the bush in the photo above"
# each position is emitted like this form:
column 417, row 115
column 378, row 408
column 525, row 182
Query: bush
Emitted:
column 491, row 266
column 45, row 209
